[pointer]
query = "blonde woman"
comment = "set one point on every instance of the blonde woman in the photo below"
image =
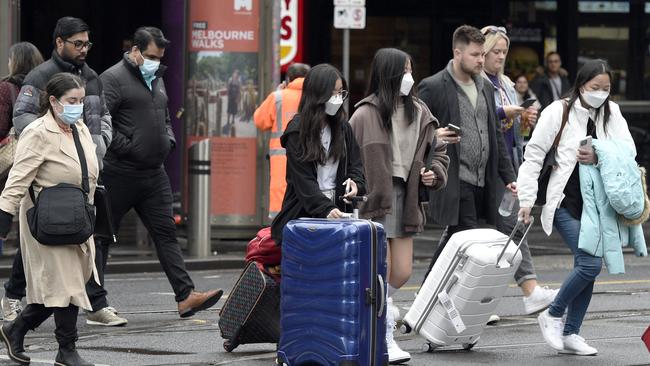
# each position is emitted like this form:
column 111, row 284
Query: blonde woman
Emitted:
column 509, row 114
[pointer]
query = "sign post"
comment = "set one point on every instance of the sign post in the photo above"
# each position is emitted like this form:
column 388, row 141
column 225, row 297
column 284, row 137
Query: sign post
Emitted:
column 348, row 14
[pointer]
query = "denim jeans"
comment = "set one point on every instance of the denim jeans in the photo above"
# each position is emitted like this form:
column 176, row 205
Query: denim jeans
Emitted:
column 576, row 290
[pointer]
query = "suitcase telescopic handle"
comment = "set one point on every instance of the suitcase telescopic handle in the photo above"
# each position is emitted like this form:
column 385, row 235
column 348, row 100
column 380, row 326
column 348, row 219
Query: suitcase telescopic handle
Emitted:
column 519, row 224
column 355, row 204
column 382, row 296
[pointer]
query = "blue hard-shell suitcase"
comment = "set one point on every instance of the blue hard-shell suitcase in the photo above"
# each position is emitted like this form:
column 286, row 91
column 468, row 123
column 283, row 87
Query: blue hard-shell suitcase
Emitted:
column 333, row 295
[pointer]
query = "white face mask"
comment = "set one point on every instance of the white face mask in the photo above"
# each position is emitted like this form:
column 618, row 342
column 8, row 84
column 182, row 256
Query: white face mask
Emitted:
column 407, row 84
column 595, row 98
column 333, row 104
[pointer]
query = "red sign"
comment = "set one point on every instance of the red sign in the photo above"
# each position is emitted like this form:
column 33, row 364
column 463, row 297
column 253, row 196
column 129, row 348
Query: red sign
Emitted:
column 291, row 32
column 226, row 25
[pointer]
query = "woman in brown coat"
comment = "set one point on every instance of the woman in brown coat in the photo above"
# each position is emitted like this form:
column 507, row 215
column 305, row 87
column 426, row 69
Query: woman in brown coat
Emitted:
column 56, row 275
column 396, row 133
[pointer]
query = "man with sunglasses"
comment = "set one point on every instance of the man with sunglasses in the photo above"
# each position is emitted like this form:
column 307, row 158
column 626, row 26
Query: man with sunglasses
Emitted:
column 71, row 46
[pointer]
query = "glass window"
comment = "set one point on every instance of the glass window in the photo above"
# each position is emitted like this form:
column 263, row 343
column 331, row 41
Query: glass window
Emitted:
column 609, row 43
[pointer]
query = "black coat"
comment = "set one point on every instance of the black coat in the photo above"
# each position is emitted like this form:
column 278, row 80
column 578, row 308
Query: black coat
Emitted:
column 142, row 132
column 542, row 87
column 439, row 93
column 303, row 197
column 95, row 115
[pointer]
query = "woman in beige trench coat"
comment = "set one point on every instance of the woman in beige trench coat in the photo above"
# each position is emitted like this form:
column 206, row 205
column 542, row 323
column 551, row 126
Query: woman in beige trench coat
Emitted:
column 56, row 275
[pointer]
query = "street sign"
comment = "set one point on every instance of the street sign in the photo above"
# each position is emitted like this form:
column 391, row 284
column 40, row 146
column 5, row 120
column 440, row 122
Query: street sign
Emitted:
column 349, row 2
column 349, row 17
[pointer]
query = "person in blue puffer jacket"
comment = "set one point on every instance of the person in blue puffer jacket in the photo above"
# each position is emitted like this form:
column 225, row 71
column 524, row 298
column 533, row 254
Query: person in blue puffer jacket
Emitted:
column 614, row 205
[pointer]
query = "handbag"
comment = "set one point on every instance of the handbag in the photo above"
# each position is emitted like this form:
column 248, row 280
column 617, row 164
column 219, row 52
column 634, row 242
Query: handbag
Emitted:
column 549, row 161
column 62, row 215
column 8, row 144
column 104, row 217
column 265, row 253
column 7, row 152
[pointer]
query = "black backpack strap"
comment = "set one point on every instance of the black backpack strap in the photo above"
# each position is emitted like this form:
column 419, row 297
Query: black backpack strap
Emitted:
column 82, row 160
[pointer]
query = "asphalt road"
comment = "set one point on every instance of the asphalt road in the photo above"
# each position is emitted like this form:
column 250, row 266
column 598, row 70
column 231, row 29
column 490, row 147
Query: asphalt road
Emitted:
column 155, row 335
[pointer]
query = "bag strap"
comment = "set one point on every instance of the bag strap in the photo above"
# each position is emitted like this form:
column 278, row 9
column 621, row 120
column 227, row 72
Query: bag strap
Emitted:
column 565, row 118
column 82, row 160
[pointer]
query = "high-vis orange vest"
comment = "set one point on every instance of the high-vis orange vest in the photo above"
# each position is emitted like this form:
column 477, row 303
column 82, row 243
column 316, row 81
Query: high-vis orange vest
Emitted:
column 273, row 115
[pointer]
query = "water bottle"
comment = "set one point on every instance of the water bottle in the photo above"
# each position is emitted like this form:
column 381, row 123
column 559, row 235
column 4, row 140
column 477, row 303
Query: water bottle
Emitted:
column 507, row 204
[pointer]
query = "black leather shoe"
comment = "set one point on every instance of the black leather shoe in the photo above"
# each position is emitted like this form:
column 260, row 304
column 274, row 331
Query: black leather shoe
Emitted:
column 68, row 356
column 13, row 336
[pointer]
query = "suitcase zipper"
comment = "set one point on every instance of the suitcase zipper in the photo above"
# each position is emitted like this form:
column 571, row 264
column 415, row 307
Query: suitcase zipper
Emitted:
column 373, row 294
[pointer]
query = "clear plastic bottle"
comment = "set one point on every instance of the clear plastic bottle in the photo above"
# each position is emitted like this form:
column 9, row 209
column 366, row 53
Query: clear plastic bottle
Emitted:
column 507, row 204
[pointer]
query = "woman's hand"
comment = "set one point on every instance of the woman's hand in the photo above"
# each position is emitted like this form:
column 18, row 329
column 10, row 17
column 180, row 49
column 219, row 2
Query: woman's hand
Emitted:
column 531, row 114
column 512, row 111
column 524, row 214
column 335, row 214
column 447, row 135
column 587, row 156
column 351, row 189
column 427, row 177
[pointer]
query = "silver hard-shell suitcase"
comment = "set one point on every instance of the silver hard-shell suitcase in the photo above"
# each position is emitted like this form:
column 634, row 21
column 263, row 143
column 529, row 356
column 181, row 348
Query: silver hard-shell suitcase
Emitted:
column 464, row 287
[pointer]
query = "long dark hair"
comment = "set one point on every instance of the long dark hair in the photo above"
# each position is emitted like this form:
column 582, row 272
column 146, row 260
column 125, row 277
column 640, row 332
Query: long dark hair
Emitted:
column 588, row 71
column 386, row 73
column 316, row 91
column 58, row 85
column 24, row 57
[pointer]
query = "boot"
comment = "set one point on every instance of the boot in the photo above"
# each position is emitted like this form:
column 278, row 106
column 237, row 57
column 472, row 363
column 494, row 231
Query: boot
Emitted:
column 396, row 355
column 68, row 356
column 13, row 335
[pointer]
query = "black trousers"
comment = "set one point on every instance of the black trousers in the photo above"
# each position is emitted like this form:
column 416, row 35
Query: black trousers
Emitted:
column 65, row 319
column 471, row 207
column 151, row 197
column 16, row 284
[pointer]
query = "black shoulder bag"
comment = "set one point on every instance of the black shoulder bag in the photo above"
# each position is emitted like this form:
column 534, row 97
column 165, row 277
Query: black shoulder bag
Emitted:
column 62, row 214
column 549, row 161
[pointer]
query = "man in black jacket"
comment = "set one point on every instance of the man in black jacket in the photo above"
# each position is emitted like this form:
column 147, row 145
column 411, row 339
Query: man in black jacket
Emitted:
column 133, row 169
column 71, row 46
column 479, row 161
column 553, row 84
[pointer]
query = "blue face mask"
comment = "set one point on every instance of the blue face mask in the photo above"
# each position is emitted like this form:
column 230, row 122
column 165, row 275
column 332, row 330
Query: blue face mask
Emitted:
column 149, row 68
column 71, row 112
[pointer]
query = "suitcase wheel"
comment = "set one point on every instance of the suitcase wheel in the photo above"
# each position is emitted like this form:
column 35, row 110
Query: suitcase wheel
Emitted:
column 468, row 346
column 229, row 346
column 428, row 347
column 405, row 328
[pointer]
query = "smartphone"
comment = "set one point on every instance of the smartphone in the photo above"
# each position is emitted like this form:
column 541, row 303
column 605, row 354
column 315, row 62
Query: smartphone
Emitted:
column 455, row 128
column 586, row 143
column 527, row 103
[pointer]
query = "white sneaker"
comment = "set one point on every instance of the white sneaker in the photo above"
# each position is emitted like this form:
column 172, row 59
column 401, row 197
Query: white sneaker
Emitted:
column 576, row 345
column 539, row 299
column 396, row 355
column 10, row 308
column 105, row 317
column 552, row 328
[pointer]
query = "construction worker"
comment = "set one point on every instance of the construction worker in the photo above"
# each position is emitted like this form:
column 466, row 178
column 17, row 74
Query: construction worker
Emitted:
column 273, row 115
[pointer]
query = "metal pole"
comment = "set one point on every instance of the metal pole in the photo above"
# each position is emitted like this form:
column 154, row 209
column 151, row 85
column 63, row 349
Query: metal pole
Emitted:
column 346, row 62
column 199, row 205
